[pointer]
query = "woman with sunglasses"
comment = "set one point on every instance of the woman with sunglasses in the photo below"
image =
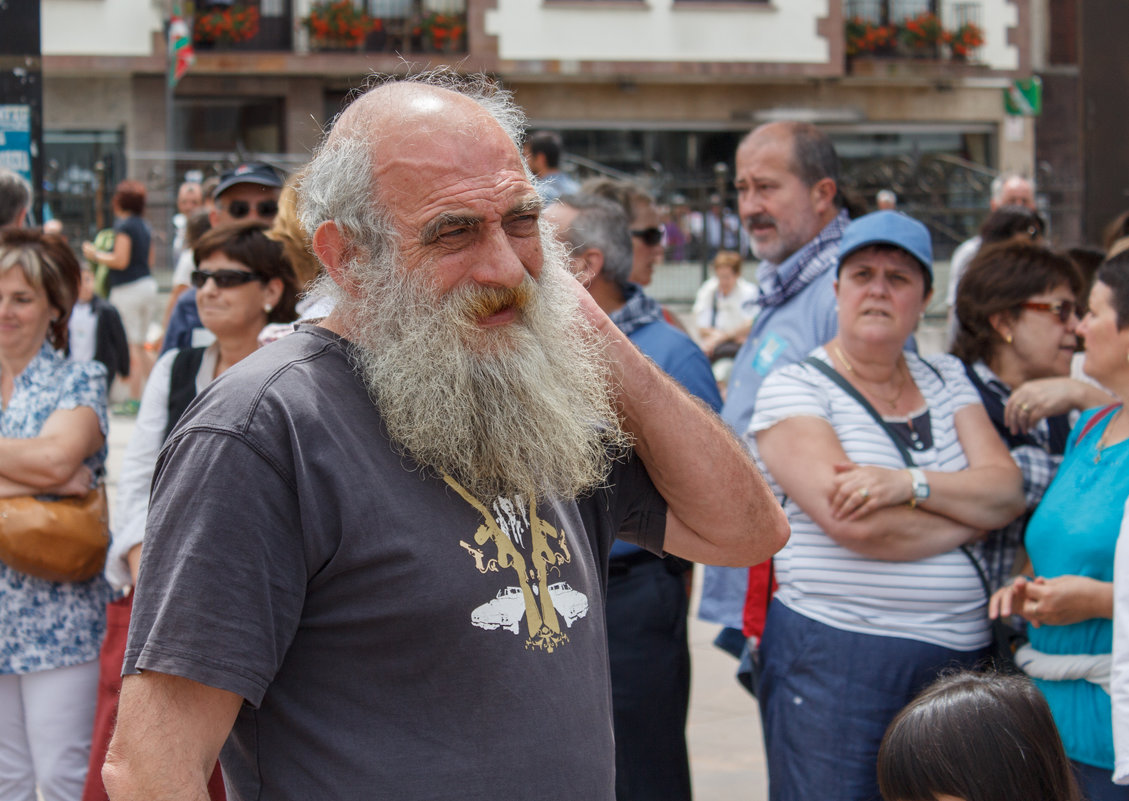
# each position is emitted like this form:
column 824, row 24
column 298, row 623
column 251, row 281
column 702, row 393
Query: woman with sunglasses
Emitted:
column 1066, row 590
column 243, row 282
column 133, row 289
column 1017, row 309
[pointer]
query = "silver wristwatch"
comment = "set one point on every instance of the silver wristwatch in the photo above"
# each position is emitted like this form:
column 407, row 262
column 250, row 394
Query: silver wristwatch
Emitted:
column 920, row 486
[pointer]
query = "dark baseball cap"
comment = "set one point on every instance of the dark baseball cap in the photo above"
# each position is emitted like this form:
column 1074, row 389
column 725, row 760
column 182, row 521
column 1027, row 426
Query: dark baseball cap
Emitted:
column 253, row 172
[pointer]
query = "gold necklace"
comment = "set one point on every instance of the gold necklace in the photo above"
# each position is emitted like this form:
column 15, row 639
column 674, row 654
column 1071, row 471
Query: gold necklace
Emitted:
column 891, row 402
column 1105, row 435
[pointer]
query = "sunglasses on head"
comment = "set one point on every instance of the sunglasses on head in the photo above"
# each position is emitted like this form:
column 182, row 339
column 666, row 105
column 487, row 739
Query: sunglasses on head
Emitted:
column 241, row 208
column 1062, row 309
column 225, row 279
column 650, row 236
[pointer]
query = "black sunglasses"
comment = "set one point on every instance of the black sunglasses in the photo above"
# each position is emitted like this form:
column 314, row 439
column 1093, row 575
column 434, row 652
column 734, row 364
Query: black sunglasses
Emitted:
column 1062, row 309
column 241, row 208
column 650, row 236
column 225, row 279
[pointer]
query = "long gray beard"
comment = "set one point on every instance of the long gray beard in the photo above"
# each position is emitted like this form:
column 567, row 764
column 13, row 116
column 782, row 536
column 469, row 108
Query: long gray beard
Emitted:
column 525, row 408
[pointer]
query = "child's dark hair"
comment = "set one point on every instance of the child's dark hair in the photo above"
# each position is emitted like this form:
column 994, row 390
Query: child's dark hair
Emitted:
column 976, row 736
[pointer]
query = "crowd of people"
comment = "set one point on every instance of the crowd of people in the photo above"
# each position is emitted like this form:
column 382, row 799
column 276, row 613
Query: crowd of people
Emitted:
column 417, row 482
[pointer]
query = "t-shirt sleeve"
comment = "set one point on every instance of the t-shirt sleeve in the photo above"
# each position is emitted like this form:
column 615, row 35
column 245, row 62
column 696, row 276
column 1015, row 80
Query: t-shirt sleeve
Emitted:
column 86, row 386
column 957, row 383
column 634, row 508
column 793, row 391
column 223, row 572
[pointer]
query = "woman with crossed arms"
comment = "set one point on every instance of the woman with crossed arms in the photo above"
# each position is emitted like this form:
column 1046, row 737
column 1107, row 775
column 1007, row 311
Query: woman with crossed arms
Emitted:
column 875, row 597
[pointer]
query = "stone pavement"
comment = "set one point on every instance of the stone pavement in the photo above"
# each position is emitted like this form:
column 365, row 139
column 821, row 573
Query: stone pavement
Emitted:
column 724, row 732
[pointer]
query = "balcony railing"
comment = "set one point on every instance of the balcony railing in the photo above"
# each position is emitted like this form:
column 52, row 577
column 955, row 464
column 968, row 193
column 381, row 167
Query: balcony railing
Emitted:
column 913, row 29
column 404, row 26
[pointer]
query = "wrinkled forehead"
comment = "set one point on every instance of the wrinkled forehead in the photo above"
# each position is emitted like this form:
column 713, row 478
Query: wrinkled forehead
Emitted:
column 432, row 150
column 405, row 122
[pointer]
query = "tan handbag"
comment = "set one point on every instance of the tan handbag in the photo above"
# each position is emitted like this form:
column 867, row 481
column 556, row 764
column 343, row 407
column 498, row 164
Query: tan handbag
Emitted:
column 63, row 540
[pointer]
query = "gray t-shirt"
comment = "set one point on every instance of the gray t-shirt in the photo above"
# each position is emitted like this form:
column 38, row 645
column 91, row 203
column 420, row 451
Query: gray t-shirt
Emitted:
column 392, row 638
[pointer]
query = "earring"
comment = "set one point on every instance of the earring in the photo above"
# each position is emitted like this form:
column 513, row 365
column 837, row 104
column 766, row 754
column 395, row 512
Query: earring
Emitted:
column 268, row 308
column 1007, row 339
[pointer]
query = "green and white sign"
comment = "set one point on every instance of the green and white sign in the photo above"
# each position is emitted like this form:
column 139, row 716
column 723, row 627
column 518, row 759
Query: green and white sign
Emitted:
column 1024, row 98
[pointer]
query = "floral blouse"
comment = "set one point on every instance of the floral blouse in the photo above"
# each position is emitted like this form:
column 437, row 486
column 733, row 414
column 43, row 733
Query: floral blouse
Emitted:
column 47, row 624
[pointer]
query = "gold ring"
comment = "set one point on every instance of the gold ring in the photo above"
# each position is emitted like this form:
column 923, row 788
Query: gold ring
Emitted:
column 1023, row 407
column 864, row 493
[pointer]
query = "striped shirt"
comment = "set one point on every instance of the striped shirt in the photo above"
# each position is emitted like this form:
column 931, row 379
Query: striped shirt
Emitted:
column 937, row 600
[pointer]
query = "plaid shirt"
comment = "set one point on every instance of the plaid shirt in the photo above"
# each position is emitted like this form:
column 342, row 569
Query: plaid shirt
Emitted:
column 639, row 309
column 778, row 282
column 1038, row 466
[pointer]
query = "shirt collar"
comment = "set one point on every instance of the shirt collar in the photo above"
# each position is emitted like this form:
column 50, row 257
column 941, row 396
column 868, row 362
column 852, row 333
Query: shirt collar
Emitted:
column 779, row 282
column 639, row 309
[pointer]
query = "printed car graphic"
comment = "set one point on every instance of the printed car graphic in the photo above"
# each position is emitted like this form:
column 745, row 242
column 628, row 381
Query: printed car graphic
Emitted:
column 507, row 609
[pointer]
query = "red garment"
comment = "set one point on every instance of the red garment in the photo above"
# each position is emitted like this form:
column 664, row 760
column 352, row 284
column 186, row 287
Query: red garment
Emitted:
column 762, row 586
column 106, row 713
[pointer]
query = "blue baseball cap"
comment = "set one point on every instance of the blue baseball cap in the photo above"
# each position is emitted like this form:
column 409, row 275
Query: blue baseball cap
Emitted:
column 889, row 228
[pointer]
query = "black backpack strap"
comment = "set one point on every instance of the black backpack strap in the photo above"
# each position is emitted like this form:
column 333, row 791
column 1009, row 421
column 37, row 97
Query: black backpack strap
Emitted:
column 182, row 383
column 847, row 387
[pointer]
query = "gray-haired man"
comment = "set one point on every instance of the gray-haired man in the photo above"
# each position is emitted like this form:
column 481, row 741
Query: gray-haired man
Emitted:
column 401, row 595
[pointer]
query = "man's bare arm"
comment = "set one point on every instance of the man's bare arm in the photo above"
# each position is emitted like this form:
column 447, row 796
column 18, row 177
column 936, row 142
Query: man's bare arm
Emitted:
column 720, row 509
column 168, row 736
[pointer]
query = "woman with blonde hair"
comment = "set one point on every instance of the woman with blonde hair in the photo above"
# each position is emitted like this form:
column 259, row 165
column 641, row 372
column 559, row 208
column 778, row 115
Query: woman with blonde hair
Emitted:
column 53, row 429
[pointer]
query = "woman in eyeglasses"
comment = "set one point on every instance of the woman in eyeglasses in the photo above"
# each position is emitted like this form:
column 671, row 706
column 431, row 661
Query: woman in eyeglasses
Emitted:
column 1017, row 309
column 243, row 282
column 133, row 289
column 1066, row 588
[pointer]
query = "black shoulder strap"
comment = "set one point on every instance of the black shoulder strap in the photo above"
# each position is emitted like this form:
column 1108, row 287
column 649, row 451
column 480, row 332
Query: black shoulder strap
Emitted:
column 182, row 383
column 831, row 373
column 1059, row 425
column 847, row 387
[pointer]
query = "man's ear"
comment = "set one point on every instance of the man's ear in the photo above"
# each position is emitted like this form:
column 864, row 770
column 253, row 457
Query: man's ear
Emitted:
column 332, row 249
column 823, row 194
column 591, row 265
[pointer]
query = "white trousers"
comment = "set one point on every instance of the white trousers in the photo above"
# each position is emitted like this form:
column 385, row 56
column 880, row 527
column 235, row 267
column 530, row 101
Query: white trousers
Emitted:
column 46, row 720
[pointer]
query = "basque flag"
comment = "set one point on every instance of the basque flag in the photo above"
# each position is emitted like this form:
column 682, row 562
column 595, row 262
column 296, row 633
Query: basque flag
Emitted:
column 181, row 54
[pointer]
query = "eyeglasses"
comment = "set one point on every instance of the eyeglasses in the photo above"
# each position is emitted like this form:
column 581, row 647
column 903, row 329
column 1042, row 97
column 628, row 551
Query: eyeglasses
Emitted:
column 241, row 208
column 225, row 279
column 650, row 236
column 1063, row 309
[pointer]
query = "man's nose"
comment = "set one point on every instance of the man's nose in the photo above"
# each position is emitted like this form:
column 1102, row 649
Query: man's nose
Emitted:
column 749, row 205
column 500, row 264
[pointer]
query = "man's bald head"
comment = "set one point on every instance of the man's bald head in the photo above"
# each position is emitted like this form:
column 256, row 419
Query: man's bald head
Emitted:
column 813, row 155
column 341, row 183
column 1011, row 189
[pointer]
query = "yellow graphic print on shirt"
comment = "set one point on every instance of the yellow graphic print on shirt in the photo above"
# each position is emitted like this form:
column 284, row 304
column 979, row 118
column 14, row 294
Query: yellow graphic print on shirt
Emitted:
column 535, row 598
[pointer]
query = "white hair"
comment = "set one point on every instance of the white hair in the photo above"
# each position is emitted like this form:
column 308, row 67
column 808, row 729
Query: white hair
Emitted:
column 339, row 183
column 1002, row 180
